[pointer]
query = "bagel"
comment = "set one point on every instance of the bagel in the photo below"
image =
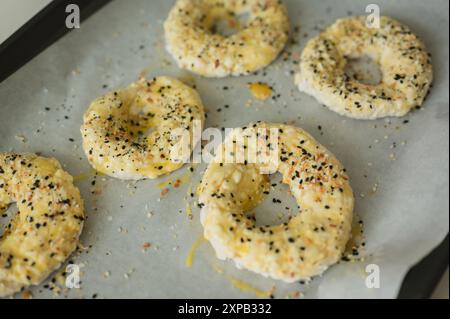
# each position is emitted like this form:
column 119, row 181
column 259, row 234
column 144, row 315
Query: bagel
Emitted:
column 303, row 247
column 404, row 63
column 45, row 231
column 195, row 47
column 116, row 129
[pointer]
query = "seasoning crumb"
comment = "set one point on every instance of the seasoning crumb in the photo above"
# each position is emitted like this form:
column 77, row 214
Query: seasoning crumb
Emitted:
column 164, row 192
column 27, row 295
column 20, row 138
column 146, row 246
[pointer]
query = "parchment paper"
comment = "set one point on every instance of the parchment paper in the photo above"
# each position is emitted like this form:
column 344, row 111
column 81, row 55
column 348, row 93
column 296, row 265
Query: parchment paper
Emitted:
column 136, row 243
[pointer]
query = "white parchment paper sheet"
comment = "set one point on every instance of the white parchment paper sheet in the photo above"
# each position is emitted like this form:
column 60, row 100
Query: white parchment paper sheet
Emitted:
column 407, row 163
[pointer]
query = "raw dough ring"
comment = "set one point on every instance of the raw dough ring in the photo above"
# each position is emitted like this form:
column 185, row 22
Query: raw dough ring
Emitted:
column 404, row 63
column 197, row 49
column 45, row 231
column 116, row 127
column 311, row 241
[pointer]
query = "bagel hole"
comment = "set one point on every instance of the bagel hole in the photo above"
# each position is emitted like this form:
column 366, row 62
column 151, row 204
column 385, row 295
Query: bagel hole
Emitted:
column 364, row 70
column 140, row 122
column 6, row 216
column 142, row 135
column 230, row 24
column 278, row 206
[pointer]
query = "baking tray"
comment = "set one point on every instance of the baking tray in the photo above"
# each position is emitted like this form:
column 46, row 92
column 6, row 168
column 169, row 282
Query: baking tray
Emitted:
column 47, row 27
